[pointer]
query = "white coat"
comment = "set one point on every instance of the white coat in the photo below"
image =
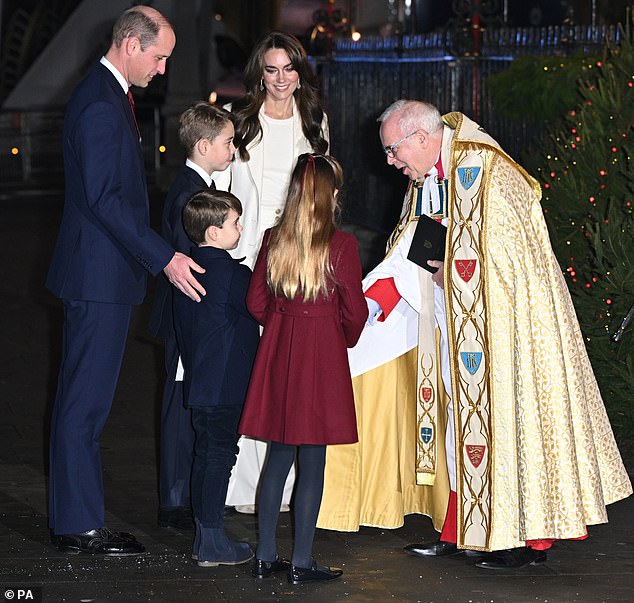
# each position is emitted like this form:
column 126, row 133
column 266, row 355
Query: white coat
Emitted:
column 244, row 180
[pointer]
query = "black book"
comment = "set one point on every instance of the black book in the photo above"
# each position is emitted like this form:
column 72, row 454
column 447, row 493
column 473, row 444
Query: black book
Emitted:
column 428, row 243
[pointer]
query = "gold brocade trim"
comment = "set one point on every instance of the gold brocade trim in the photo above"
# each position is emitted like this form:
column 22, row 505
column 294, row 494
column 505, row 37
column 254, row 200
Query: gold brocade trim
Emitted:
column 466, row 299
column 426, row 419
column 407, row 216
column 426, row 386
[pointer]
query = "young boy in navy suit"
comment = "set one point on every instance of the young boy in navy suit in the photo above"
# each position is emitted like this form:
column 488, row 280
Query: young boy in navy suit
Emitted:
column 206, row 133
column 217, row 339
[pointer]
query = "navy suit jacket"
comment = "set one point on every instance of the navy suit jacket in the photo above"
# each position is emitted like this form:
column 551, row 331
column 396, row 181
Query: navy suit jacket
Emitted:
column 217, row 337
column 105, row 246
column 184, row 186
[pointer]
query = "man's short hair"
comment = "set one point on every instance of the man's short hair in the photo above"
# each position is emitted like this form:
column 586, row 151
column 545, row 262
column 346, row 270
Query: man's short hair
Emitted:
column 135, row 22
column 208, row 208
column 201, row 120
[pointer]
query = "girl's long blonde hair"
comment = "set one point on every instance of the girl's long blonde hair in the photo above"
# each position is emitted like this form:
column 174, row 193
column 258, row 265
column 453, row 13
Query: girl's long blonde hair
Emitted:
column 298, row 260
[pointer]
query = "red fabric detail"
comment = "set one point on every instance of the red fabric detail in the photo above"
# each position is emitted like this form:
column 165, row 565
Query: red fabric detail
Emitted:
column 584, row 537
column 384, row 293
column 540, row 545
column 545, row 543
column 449, row 530
column 441, row 172
column 133, row 107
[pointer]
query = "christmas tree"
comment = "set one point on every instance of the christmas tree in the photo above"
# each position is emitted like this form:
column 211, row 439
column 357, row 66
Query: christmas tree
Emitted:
column 584, row 163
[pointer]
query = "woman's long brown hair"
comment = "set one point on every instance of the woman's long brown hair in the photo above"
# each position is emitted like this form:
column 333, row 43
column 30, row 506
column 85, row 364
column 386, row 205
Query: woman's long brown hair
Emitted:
column 246, row 110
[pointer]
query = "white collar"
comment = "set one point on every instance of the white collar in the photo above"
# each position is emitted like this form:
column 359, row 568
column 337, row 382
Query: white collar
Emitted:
column 108, row 65
column 202, row 173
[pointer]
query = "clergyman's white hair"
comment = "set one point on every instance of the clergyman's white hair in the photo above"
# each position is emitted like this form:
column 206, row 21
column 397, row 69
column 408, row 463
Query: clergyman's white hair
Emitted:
column 414, row 115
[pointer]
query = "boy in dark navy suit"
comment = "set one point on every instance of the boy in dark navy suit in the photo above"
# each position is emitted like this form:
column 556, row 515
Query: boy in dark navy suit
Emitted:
column 206, row 133
column 217, row 339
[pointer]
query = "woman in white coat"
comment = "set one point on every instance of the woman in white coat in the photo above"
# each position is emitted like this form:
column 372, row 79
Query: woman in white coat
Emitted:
column 279, row 118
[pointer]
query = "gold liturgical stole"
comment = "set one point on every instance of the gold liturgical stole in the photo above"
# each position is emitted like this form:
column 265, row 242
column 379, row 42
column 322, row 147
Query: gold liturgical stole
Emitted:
column 427, row 371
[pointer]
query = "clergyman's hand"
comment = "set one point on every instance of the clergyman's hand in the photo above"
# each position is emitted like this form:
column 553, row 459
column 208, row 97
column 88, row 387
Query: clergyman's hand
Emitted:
column 439, row 276
column 179, row 273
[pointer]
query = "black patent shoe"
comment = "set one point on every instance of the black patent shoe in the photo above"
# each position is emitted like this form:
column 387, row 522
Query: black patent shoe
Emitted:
column 512, row 559
column 440, row 548
column 297, row 575
column 100, row 541
column 263, row 569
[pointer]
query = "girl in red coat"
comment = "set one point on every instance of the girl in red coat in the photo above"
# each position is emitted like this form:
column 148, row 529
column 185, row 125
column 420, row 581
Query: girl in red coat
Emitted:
column 306, row 292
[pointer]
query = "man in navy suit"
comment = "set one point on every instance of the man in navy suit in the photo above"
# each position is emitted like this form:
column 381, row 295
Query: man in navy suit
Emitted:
column 99, row 269
column 206, row 133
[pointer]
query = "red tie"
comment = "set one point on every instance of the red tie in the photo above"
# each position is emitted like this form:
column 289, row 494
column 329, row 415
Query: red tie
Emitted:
column 136, row 123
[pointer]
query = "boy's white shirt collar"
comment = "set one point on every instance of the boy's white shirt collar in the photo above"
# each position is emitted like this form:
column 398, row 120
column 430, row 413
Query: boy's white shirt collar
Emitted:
column 202, row 173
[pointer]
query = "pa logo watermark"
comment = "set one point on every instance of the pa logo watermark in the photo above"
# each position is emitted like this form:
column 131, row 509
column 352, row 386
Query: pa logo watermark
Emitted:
column 22, row 593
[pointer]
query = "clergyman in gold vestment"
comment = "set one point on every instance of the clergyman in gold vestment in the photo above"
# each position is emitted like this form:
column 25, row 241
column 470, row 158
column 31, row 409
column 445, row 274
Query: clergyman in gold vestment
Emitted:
column 476, row 401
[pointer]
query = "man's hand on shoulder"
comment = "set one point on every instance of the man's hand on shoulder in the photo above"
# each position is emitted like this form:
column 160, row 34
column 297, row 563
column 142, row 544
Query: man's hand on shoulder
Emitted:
column 179, row 273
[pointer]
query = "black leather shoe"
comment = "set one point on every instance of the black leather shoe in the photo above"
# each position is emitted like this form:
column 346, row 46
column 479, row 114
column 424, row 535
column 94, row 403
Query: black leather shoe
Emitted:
column 297, row 575
column 512, row 559
column 179, row 518
column 476, row 554
column 263, row 569
column 434, row 549
column 99, row 542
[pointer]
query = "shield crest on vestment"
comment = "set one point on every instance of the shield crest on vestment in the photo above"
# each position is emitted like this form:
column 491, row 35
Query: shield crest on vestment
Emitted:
column 471, row 361
column 475, row 452
column 426, row 393
column 468, row 176
column 426, row 434
column 465, row 269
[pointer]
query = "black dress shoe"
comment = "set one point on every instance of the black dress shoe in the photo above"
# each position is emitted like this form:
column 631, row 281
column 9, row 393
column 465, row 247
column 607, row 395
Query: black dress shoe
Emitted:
column 512, row 559
column 434, row 549
column 476, row 554
column 179, row 518
column 99, row 542
column 263, row 569
column 297, row 575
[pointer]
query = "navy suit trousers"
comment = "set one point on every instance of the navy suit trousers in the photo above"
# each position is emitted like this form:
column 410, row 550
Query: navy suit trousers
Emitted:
column 216, row 449
column 94, row 337
column 177, row 437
